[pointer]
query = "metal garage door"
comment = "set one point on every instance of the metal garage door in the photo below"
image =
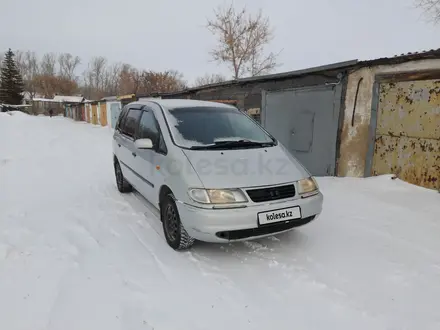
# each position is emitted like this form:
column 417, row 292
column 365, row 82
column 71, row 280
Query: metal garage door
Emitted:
column 306, row 122
column 407, row 139
column 115, row 109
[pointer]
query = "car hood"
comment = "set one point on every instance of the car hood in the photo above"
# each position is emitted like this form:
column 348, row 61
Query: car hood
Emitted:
column 245, row 167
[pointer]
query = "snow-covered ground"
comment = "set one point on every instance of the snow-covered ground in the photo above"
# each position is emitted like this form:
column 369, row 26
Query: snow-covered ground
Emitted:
column 76, row 254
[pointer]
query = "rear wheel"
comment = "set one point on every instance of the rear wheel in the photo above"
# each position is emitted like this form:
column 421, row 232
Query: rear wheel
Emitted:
column 123, row 185
column 175, row 234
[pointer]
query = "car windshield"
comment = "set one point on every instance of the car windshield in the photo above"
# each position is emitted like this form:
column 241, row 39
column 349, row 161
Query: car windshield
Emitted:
column 195, row 127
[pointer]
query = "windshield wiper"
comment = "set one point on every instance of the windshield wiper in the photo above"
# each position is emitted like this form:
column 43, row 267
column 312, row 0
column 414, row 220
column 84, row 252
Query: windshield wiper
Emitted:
column 233, row 145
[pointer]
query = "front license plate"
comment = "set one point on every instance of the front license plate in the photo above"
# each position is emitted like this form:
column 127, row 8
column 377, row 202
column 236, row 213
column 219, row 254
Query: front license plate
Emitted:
column 287, row 214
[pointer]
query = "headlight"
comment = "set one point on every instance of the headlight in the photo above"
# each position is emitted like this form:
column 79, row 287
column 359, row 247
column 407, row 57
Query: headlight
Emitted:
column 308, row 185
column 217, row 196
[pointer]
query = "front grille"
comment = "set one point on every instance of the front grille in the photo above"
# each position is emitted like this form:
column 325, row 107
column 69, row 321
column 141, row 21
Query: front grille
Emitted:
column 263, row 230
column 272, row 193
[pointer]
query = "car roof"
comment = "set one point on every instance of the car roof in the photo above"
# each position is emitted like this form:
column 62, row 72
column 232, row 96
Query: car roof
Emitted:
column 183, row 103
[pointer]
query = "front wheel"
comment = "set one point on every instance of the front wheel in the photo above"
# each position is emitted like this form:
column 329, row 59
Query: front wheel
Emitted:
column 123, row 185
column 175, row 234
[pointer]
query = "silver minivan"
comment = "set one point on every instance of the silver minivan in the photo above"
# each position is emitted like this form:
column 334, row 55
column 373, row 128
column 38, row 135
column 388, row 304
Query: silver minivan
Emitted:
column 212, row 171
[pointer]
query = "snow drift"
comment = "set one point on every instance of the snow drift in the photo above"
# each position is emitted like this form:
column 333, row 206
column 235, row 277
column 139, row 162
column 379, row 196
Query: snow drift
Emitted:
column 76, row 254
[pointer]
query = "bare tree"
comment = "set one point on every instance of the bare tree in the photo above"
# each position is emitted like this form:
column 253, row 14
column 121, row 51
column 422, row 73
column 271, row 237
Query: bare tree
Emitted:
column 48, row 64
column 98, row 67
column 67, row 65
column 112, row 78
column 95, row 78
column 87, row 84
column 27, row 63
column 19, row 59
column 161, row 82
column 431, row 8
column 129, row 79
column 208, row 79
column 241, row 41
column 136, row 78
column 56, row 74
column 50, row 86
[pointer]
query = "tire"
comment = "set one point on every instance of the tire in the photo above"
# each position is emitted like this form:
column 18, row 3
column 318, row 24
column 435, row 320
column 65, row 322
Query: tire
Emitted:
column 175, row 234
column 123, row 185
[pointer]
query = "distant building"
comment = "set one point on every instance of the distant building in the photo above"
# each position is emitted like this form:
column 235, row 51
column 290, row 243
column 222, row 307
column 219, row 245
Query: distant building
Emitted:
column 68, row 99
column 60, row 104
column 391, row 119
column 113, row 107
column 73, row 106
column 354, row 118
column 300, row 108
column 41, row 106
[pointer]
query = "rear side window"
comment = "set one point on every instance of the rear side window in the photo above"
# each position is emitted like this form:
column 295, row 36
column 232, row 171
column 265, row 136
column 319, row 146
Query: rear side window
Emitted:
column 130, row 122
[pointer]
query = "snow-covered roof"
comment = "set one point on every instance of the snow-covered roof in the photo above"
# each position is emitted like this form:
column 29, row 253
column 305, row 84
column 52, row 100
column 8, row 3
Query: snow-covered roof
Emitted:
column 110, row 98
column 183, row 103
column 42, row 99
column 14, row 105
column 69, row 99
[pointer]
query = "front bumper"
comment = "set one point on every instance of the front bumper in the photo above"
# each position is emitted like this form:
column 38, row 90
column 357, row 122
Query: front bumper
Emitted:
column 223, row 225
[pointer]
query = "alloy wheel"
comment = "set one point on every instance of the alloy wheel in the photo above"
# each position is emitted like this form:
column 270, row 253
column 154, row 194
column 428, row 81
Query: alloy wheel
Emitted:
column 171, row 223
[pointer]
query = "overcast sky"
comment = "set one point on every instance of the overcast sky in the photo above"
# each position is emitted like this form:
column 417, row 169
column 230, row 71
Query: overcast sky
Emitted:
column 171, row 34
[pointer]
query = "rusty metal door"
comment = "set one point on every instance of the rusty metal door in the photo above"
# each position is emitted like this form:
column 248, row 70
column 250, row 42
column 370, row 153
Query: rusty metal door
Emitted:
column 94, row 114
column 407, row 139
column 103, row 113
column 305, row 121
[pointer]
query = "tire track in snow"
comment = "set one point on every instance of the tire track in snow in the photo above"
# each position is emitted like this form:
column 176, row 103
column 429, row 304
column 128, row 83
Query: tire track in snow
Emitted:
column 309, row 274
column 245, row 251
column 83, row 228
column 59, row 293
column 159, row 264
column 137, row 217
column 212, row 271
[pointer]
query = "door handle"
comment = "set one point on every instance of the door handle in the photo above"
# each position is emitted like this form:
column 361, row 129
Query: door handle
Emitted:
column 134, row 154
column 119, row 145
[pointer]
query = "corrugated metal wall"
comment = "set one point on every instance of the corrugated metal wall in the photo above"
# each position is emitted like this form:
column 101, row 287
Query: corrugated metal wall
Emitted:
column 408, row 132
column 249, row 95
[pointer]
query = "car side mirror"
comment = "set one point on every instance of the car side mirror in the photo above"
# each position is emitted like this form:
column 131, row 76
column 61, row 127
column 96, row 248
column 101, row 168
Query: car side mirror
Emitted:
column 144, row 144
